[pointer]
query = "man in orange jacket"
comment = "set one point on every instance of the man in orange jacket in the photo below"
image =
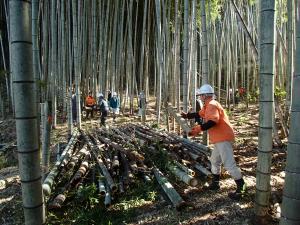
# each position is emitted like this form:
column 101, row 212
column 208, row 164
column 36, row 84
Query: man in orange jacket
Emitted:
column 89, row 105
column 221, row 135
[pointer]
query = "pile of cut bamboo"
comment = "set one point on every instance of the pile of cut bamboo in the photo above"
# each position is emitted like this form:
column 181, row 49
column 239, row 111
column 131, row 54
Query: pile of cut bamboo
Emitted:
column 116, row 157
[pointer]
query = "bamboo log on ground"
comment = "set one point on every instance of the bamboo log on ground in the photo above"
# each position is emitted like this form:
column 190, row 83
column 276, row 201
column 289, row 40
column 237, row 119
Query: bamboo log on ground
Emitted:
column 101, row 186
column 115, row 162
column 185, row 169
column 125, row 136
column 160, row 133
column 202, row 169
column 195, row 146
column 183, row 176
column 107, row 198
column 133, row 155
column 168, row 188
column 125, row 168
column 57, row 202
column 105, row 173
column 84, row 166
column 75, row 158
column 100, row 163
column 146, row 178
column 48, row 182
column 152, row 134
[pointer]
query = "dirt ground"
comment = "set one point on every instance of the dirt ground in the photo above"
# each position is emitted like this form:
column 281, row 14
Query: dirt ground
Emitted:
column 206, row 207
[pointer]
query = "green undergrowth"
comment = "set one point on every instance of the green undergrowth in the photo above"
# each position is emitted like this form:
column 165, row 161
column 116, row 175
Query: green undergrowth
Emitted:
column 86, row 207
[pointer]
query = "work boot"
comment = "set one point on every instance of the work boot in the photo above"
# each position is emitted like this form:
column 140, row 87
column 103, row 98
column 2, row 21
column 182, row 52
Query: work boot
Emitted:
column 241, row 189
column 214, row 185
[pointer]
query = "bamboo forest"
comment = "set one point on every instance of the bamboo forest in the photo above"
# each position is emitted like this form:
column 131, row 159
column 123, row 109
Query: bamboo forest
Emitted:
column 149, row 112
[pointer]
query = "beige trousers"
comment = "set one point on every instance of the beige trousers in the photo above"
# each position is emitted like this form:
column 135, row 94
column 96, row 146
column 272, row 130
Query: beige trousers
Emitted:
column 223, row 153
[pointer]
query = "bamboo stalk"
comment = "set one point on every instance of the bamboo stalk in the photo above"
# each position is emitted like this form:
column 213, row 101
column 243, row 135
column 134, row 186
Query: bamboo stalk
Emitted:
column 74, row 159
column 101, row 186
column 185, row 169
column 48, row 182
column 167, row 187
column 183, row 176
column 107, row 199
column 202, row 169
column 100, row 163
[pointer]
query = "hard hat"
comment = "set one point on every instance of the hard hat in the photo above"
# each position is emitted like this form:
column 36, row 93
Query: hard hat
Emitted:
column 205, row 89
column 114, row 93
column 100, row 95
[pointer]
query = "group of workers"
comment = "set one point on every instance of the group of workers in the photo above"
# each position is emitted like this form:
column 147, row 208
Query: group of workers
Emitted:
column 104, row 106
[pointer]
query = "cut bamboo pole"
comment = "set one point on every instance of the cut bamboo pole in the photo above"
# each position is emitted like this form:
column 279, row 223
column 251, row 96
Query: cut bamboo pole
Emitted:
column 185, row 169
column 48, row 182
column 100, row 163
column 183, row 176
column 202, row 169
column 101, row 186
column 179, row 119
column 170, row 191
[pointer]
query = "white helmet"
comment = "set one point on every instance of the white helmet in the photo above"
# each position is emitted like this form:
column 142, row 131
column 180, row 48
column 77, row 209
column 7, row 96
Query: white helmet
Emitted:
column 114, row 93
column 100, row 95
column 205, row 89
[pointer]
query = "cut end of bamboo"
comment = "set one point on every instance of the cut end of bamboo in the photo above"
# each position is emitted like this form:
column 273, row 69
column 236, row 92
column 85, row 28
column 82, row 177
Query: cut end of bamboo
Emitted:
column 194, row 182
column 46, row 189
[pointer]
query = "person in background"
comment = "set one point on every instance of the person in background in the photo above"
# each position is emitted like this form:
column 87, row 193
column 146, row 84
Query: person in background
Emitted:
column 114, row 103
column 242, row 93
column 221, row 135
column 90, row 104
column 103, row 106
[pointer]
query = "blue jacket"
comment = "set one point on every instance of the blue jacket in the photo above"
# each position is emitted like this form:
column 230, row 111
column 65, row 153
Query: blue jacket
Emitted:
column 114, row 102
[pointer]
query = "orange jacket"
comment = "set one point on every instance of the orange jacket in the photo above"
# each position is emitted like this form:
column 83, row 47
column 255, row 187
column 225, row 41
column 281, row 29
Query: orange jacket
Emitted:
column 90, row 101
column 223, row 130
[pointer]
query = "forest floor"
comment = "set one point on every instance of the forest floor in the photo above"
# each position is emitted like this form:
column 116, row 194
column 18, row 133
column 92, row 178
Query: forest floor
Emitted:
column 206, row 207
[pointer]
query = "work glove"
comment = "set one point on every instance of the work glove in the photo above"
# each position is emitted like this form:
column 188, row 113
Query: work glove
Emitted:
column 184, row 115
column 195, row 130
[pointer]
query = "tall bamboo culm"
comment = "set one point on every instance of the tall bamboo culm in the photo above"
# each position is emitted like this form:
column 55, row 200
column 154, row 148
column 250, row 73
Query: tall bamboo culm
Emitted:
column 291, row 194
column 25, row 111
column 266, row 100
column 204, row 48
